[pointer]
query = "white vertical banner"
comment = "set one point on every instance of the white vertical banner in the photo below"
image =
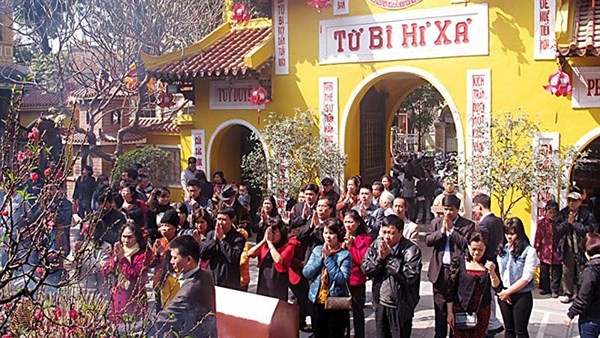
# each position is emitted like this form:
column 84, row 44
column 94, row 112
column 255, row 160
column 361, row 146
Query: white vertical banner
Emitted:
column 548, row 143
column 341, row 7
column 479, row 111
column 328, row 105
column 544, row 36
column 199, row 148
column 282, row 57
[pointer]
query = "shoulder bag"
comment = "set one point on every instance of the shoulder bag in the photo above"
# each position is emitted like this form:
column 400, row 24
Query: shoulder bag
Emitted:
column 339, row 303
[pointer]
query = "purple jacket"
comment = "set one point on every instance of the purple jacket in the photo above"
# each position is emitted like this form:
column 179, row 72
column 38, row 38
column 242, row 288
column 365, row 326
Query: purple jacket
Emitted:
column 546, row 242
column 128, row 291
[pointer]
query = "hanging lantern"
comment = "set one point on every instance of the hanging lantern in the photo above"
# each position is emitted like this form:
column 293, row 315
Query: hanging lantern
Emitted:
column 258, row 96
column 165, row 100
column 240, row 13
column 318, row 4
column 559, row 84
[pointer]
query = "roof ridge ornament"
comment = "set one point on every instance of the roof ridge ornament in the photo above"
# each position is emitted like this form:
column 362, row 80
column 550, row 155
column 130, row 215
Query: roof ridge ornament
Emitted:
column 240, row 13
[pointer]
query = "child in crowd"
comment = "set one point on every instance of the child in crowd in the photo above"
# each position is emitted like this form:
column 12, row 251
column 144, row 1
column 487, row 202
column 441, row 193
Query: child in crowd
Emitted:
column 244, row 260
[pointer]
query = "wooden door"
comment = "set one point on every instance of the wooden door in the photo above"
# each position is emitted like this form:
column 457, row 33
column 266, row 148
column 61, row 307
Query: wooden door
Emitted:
column 372, row 135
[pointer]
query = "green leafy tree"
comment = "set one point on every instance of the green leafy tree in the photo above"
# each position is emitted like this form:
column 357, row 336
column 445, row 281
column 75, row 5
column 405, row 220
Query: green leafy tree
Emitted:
column 153, row 159
column 514, row 169
column 423, row 106
column 297, row 155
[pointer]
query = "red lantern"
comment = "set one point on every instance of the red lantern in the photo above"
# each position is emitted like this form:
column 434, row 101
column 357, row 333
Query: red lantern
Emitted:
column 165, row 100
column 559, row 84
column 259, row 97
column 318, row 4
column 240, row 13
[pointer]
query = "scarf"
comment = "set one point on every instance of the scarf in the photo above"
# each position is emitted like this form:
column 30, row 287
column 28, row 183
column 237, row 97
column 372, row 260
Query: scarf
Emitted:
column 129, row 252
column 324, row 285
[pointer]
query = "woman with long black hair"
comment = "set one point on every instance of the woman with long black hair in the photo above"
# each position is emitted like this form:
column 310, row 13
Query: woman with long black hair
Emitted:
column 267, row 211
column 158, row 203
column 517, row 263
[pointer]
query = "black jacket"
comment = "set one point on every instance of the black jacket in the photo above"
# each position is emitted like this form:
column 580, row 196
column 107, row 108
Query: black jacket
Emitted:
column 297, row 221
column 108, row 227
column 492, row 229
column 461, row 285
column 402, row 268
column 224, row 257
column 587, row 302
column 584, row 223
column 437, row 240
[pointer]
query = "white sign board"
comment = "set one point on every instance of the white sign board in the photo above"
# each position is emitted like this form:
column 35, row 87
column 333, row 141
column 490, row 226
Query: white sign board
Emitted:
column 418, row 34
column 544, row 37
column 328, row 104
column 199, row 148
column 226, row 95
column 282, row 54
column 341, row 7
column 549, row 145
column 586, row 87
column 479, row 110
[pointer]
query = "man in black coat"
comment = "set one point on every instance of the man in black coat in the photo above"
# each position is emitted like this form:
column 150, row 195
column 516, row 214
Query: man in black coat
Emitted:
column 573, row 223
column 492, row 229
column 303, row 211
column 394, row 263
column 192, row 312
column 223, row 249
column 448, row 240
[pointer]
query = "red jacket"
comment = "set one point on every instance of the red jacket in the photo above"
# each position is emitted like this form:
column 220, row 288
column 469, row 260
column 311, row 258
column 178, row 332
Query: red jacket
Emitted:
column 286, row 252
column 297, row 262
column 358, row 250
column 546, row 242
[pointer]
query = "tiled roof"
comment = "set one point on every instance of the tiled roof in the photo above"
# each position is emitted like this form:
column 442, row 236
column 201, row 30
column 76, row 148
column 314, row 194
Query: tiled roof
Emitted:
column 75, row 138
column 224, row 57
column 130, row 137
column 586, row 30
column 37, row 97
column 91, row 93
column 159, row 125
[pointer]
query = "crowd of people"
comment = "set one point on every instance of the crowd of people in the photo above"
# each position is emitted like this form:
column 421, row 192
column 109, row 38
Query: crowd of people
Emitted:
column 324, row 247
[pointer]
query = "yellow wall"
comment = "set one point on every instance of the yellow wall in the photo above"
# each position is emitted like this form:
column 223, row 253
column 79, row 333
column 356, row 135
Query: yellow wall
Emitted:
column 517, row 79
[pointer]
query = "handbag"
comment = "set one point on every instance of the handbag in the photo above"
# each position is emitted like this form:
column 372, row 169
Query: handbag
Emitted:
column 340, row 302
column 468, row 320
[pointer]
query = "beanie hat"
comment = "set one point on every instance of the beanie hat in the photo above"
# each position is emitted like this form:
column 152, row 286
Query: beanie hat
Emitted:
column 170, row 217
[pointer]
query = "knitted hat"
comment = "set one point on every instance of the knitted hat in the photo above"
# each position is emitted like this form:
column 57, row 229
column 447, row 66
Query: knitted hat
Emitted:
column 170, row 217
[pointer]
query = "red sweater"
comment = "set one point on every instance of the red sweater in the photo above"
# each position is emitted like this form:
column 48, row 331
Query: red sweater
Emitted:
column 358, row 250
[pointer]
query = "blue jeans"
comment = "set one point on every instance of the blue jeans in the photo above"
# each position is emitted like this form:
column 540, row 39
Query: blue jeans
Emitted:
column 589, row 329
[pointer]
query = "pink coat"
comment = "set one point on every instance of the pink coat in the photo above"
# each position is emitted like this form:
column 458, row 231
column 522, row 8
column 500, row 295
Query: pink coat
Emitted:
column 129, row 281
column 358, row 250
column 546, row 242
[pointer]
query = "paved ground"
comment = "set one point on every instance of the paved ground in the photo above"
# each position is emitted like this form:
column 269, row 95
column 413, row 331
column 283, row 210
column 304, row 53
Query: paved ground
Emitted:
column 546, row 318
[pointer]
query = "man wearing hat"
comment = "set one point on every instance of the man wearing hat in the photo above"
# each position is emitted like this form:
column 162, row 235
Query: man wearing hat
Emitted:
column 188, row 174
column 449, row 243
column 328, row 190
column 573, row 223
column 449, row 189
column 228, row 198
